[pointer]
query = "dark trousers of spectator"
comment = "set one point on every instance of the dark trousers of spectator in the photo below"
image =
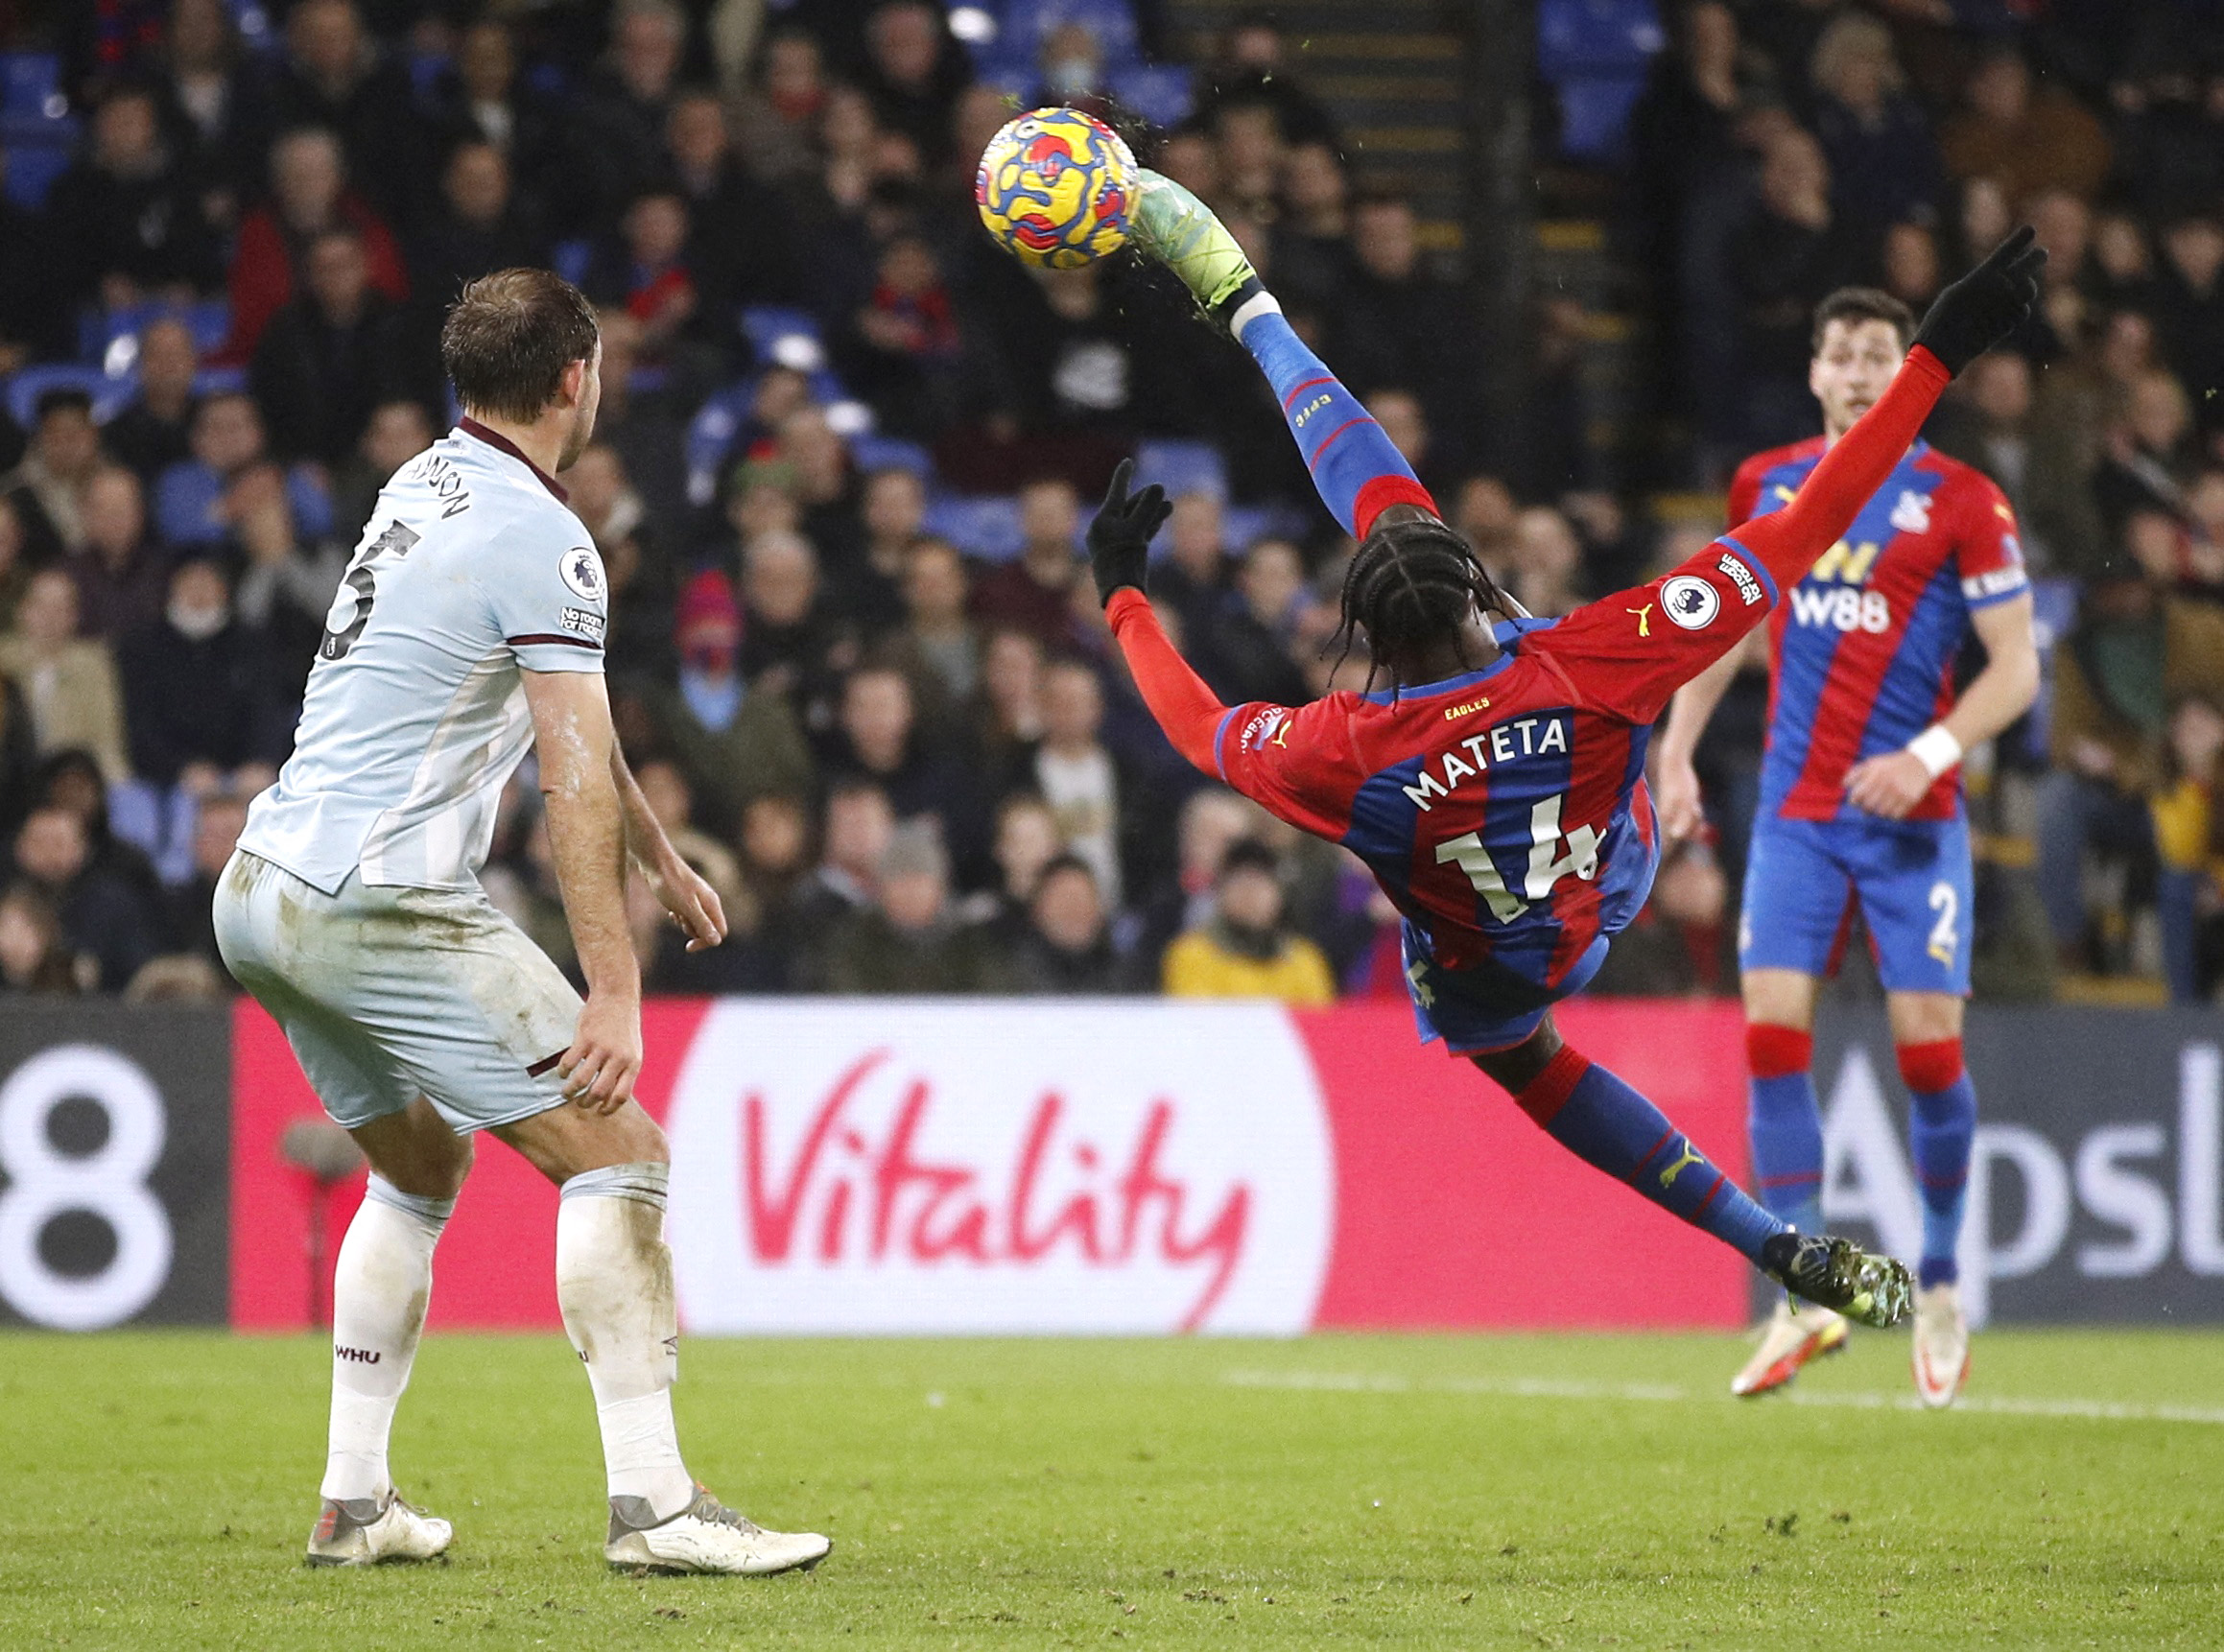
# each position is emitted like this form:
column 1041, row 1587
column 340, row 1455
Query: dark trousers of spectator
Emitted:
column 2193, row 939
column 2077, row 814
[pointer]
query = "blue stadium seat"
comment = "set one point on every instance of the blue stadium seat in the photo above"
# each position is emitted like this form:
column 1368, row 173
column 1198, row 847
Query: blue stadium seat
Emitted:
column 33, row 168
column 98, row 331
column 135, row 814
column 988, row 527
column 891, row 453
column 569, row 259
column 1160, row 95
column 1027, row 22
column 1182, row 468
column 26, row 388
column 1597, row 37
column 1244, row 525
column 1595, row 114
column 710, row 438
column 784, row 337
column 31, row 86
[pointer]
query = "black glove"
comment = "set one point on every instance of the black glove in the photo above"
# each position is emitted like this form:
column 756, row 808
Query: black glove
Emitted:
column 1119, row 535
column 1986, row 305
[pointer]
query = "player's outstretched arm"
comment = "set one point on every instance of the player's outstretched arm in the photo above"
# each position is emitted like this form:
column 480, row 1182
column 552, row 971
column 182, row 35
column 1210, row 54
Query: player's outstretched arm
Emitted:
column 1119, row 558
column 586, row 835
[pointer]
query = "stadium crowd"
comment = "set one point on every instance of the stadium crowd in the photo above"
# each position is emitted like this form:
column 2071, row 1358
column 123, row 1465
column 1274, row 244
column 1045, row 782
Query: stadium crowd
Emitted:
column 846, row 447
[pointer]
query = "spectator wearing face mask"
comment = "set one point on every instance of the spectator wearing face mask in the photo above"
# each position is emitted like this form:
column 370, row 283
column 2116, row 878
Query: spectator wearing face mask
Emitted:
column 1245, row 948
column 197, row 689
column 731, row 741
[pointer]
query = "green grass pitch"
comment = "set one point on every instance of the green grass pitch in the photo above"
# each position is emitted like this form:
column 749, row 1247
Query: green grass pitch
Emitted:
column 1458, row 1492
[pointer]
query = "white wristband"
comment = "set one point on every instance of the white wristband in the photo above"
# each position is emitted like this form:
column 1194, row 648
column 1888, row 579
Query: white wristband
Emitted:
column 1936, row 749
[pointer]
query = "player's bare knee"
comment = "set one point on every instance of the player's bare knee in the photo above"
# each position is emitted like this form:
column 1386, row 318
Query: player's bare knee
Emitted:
column 1924, row 1017
column 1780, row 998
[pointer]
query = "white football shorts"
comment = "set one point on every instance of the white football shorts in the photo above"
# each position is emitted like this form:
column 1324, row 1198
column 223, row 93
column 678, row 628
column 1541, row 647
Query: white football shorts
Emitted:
column 386, row 992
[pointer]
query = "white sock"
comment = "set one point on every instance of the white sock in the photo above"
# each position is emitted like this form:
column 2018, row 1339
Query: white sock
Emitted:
column 1250, row 310
column 614, row 1285
column 380, row 1289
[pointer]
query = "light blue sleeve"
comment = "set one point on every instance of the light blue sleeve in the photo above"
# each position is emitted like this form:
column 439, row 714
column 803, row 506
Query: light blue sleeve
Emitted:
column 552, row 601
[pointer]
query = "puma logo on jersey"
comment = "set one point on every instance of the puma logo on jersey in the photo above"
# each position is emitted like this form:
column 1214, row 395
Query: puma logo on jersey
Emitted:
column 1508, row 741
column 1912, row 514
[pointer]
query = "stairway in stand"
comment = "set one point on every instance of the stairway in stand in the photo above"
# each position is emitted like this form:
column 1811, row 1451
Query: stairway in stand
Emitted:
column 1391, row 72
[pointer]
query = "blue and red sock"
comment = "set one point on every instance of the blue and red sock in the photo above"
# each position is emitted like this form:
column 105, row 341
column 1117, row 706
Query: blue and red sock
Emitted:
column 1607, row 1124
column 1941, row 1126
column 1355, row 467
column 1784, row 1122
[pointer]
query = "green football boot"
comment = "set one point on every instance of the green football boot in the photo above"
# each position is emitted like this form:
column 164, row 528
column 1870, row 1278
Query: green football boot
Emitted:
column 1173, row 226
column 1839, row 1275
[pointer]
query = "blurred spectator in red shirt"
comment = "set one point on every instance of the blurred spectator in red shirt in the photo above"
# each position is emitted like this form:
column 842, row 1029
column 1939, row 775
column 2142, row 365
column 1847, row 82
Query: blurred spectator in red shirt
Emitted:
column 309, row 196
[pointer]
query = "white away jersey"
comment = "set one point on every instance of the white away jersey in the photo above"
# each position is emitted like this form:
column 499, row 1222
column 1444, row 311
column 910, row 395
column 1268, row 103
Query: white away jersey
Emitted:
column 415, row 717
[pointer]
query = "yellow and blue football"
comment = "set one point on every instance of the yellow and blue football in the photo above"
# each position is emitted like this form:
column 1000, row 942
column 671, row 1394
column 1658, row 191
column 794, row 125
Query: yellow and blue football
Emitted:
column 1055, row 188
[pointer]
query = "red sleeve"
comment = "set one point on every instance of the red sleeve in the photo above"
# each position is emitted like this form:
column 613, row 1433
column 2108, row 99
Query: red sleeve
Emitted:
column 1292, row 763
column 1629, row 654
column 1987, row 553
column 1190, row 713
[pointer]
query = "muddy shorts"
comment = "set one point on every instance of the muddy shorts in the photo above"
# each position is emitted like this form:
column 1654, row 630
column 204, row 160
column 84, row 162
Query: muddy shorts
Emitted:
column 389, row 993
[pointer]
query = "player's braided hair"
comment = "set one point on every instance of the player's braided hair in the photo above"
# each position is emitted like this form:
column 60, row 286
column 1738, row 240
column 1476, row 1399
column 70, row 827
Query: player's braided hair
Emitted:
column 1411, row 583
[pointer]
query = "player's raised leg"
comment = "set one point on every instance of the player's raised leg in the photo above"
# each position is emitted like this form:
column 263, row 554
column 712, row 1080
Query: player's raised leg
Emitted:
column 1610, row 1126
column 1354, row 465
column 381, row 1288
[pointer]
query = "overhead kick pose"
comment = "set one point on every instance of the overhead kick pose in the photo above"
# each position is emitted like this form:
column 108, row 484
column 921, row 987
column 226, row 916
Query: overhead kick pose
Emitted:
column 470, row 627
column 1496, row 786
column 1861, row 800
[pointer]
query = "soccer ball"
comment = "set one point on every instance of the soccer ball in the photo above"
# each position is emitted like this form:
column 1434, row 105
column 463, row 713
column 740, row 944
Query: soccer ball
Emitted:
column 1055, row 188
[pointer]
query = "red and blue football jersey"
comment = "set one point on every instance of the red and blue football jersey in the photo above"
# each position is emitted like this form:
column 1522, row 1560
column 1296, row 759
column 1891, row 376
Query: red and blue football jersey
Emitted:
column 1865, row 644
column 1504, row 811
